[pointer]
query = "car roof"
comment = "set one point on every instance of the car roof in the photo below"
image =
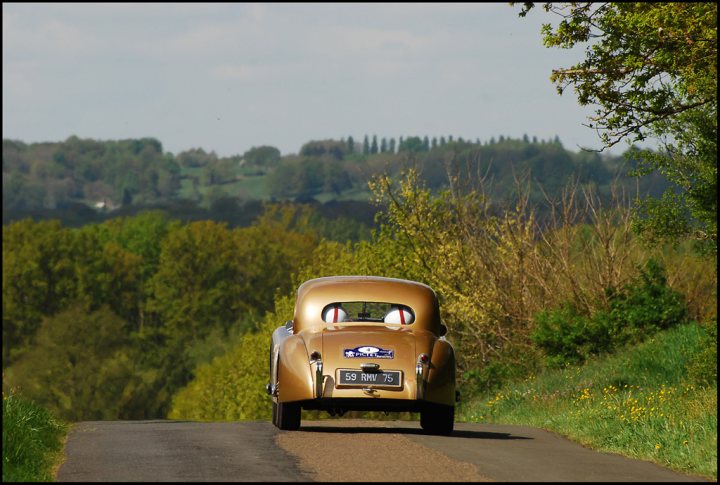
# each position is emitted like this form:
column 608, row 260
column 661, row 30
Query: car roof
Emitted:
column 315, row 294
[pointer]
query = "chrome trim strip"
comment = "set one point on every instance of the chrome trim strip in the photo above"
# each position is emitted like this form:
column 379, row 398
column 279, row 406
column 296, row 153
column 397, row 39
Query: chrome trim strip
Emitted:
column 420, row 381
column 318, row 379
column 369, row 367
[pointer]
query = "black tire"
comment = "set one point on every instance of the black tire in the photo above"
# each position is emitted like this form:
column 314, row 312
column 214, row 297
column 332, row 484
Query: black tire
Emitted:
column 437, row 418
column 287, row 415
column 275, row 414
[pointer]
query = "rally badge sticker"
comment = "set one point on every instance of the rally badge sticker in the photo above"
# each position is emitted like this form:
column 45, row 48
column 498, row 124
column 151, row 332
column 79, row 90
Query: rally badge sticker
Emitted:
column 368, row 351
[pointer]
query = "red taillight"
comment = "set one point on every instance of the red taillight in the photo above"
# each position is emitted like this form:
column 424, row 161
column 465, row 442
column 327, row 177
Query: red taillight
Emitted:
column 424, row 358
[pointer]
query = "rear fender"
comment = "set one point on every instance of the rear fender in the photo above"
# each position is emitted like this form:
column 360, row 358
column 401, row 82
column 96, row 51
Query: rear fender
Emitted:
column 295, row 379
column 441, row 378
column 280, row 334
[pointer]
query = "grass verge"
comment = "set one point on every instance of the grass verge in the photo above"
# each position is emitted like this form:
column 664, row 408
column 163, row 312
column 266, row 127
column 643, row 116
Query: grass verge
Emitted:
column 32, row 441
column 637, row 402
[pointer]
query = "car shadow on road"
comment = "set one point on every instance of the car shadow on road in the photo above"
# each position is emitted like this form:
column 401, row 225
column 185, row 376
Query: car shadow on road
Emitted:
column 458, row 433
column 487, row 435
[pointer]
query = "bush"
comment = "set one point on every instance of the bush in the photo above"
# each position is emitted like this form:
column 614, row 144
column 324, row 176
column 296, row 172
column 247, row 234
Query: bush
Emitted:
column 702, row 368
column 490, row 377
column 637, row 311
column 568, row 337
column 646, row 306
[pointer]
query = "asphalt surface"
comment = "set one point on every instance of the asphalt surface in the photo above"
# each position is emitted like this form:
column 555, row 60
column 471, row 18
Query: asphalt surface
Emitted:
column 175, row 451
column 337, row 450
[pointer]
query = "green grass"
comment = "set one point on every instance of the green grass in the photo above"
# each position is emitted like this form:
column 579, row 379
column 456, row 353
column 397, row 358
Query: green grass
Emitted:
column 361, row 194
column 637, row 402
column 186, row 190
column 250, row 187
column 32, row 441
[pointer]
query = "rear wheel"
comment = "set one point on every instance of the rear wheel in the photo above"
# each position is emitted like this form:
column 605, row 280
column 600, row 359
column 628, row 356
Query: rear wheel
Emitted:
column 286, row 415
column 275, row 414
column 437, row 418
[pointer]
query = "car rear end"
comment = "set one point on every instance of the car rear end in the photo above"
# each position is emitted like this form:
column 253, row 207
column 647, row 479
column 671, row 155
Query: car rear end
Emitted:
column 367, row 361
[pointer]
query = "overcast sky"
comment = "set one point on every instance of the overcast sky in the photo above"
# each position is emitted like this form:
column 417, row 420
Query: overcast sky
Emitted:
column 229, row 76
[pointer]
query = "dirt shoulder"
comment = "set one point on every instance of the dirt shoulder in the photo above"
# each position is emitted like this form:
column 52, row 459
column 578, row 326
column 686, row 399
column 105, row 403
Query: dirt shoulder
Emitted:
column 369, row 451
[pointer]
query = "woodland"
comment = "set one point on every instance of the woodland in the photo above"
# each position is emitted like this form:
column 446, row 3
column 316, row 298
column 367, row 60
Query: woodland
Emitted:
column 141, row 284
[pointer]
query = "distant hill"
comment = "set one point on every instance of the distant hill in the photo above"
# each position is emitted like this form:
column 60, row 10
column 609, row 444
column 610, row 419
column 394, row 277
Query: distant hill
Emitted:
column 84, row 180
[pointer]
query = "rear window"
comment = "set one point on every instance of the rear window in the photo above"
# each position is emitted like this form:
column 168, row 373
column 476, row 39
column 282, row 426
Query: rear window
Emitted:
column 366, row 311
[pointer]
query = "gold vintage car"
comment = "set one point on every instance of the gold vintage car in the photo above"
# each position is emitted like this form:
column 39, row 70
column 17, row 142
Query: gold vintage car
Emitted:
column 363, row 343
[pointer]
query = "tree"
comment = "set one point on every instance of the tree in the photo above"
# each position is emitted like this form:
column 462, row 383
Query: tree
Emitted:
column 198, row 283
column 333, row 148
column 651, row 70
column 366, row 146
column 281, row 181
column 374, row 145
column 277, row 245
column 412, row 144
column 168, row 177
column 141, row 235
column 219, row 171
column 79, row 366
column 262, row 156
column 39, row 278
column 337, row 179
column 310, row 178
column 195, row 157
column 19, row 193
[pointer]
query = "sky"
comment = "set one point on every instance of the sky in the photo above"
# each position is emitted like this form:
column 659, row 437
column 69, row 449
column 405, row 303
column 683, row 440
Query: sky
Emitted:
column 227, row 77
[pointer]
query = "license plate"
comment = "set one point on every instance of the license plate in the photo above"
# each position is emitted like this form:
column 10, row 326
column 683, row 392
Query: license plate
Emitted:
column 358, row 378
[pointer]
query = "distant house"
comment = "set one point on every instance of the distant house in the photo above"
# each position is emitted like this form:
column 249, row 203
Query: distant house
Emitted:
column 105, row 205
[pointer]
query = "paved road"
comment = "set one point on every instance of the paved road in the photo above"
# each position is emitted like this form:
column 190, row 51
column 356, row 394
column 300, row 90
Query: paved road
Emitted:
column 175, row 451
column 336, row 450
